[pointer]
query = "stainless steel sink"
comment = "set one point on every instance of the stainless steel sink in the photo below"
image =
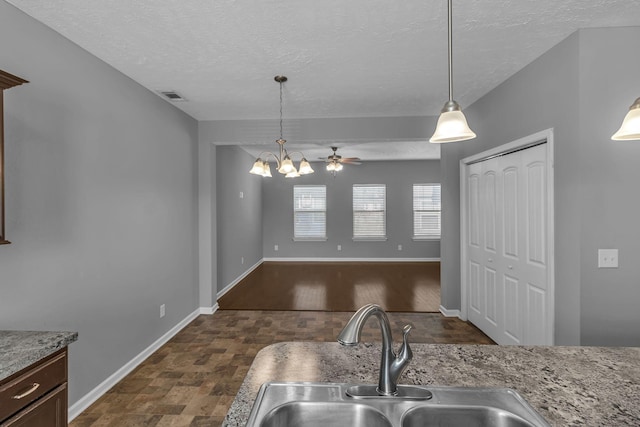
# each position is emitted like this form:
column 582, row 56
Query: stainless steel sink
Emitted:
column 328, row 404
column 467, row 416
column 323, row 414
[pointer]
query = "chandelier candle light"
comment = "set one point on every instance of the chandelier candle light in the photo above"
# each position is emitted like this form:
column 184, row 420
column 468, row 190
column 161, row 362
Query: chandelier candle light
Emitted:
column 283, row 160
column 452, row 125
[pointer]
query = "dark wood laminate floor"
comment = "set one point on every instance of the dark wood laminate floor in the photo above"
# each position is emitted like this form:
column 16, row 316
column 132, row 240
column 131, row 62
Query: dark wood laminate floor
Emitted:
column 193, row 379
column 338, row 286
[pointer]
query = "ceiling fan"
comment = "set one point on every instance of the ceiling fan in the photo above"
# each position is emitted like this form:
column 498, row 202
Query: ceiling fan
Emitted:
column 335, row 161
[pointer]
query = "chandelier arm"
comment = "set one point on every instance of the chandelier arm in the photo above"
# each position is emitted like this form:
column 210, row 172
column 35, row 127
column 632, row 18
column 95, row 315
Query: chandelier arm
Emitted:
column 296, row 152
column 269, row 153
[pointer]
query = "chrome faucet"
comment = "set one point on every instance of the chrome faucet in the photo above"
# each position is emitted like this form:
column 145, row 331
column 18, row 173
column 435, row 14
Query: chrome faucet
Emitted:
column 391, row 365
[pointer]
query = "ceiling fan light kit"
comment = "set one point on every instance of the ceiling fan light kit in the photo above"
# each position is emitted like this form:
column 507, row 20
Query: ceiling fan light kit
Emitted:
column 284, row 163
column 452, row 124
column 335, row 161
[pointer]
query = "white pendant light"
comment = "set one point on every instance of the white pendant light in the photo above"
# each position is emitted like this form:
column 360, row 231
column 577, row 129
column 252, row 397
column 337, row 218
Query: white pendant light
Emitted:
column 630, row 128
column 452, row 125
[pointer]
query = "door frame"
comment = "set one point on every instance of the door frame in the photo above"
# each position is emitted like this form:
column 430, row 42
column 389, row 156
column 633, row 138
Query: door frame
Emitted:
column 542, row 137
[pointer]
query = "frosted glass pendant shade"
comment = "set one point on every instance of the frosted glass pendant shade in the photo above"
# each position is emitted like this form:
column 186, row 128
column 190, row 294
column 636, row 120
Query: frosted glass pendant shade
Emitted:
column 305, row 167
column 286, row 166
column 257, row 168
column 630, row 128
column 267, row 170
column 452, row 126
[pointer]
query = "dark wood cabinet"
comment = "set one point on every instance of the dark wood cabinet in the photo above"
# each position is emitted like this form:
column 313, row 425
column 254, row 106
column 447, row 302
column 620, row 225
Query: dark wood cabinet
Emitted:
column 37, row 395
column 6, row 81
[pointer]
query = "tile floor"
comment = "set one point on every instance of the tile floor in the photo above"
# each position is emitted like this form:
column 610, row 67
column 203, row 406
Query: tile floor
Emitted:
column 192, row 380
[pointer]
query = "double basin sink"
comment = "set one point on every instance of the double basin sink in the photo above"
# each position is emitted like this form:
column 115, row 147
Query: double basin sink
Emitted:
column 330, row 404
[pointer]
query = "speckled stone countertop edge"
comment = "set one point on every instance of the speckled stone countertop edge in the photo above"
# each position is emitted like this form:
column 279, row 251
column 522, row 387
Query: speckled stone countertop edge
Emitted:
column 568, row 386
column 20, row 349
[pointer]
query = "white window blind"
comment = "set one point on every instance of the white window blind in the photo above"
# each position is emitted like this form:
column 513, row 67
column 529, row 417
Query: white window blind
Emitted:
column 426, row 211
column 369, row 212
column 309, row 212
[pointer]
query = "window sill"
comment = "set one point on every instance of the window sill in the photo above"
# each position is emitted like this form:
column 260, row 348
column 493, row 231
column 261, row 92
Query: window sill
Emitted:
column 310, row 239
column 415, row 239
column 369, row 239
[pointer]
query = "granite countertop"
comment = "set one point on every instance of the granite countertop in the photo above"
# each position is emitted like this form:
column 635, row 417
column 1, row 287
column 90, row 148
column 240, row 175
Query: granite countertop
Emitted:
column 568, row 386
column 19, row 349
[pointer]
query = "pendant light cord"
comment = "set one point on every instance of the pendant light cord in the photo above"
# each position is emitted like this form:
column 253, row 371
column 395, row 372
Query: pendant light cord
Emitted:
column 450, row 51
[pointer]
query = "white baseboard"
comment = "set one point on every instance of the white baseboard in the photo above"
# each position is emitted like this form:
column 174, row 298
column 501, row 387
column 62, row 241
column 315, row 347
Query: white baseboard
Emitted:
column 289, row 259
column 449, row 313
column 238, row 279
column 88, row 399
column 209, row 310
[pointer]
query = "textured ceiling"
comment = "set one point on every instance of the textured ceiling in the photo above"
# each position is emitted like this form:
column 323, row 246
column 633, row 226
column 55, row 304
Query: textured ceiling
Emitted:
column 355, row 58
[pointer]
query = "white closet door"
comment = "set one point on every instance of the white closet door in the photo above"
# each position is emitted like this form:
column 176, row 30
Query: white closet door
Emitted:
column 483, row 247
column 507, row 265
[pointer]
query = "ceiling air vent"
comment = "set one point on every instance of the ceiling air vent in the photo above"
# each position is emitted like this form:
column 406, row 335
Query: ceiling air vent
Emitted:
column 171, row 95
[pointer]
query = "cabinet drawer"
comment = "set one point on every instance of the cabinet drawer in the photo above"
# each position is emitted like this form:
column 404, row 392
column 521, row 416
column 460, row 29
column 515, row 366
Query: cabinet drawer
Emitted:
column 50, row 411
column 33, row 383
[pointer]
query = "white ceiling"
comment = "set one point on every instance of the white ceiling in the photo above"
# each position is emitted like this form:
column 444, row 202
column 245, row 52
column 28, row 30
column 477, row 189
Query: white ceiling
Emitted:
column 344, row 58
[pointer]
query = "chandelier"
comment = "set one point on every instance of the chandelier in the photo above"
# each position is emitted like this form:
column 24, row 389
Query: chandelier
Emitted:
column 284, row 163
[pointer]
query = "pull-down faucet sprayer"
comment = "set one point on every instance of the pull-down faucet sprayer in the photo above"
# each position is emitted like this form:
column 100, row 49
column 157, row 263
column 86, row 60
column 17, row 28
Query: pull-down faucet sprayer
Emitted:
column 391, row 365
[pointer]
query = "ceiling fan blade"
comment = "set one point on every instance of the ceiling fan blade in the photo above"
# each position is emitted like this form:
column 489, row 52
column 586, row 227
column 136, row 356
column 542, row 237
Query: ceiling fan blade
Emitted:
column 351, row 161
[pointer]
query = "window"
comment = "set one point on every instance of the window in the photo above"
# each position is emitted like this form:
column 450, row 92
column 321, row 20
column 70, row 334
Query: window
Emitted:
column 309, row 212
column 426, row 211
column 369, row 212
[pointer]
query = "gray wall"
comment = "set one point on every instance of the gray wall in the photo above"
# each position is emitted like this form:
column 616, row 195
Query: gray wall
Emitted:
column 542, row 95
column 399, row 178
column 581, row 88
column 352, row 129
column 101, row 203
column 207, row 226
column 609, row 83
column 239, row 219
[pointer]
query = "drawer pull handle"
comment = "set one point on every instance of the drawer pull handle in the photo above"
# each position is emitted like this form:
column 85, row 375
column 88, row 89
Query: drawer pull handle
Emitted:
column 26, row 393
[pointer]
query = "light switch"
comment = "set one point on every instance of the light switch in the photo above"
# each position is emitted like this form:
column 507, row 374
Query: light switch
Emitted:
column 607, row 258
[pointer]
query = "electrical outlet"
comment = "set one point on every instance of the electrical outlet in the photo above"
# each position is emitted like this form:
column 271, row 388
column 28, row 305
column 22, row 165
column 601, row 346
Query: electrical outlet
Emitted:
column 242, row 260
column 275, row 247
column 162, row 310
column 399, row 247
column 607, row 258
column 339, row 247
column 242, row 195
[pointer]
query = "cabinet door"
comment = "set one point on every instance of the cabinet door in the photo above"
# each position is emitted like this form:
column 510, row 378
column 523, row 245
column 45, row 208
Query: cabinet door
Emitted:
column 50, row 411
